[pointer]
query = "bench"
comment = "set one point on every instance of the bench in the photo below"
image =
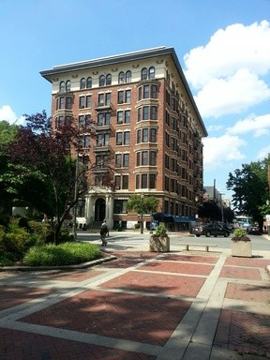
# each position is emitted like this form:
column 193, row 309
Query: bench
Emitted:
column 200, row 245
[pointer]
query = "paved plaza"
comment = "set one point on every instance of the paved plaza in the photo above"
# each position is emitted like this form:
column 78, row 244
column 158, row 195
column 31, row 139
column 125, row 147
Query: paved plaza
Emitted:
column 142, row 305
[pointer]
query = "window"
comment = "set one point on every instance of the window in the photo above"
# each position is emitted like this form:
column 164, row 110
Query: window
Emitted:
column 104, row 99
column 167, row 162
column 137, row 181
column 127, row 117
column 101, row 160
column 68, row 85
column 82, row 83
column 124, row 96
column 167, row 184
column 152, row 181
column 102, row 80
column 59, row 121
column 88, row 101
column 167, row 139
column 62, row 87
column 153, row 135
column 85, row 141
column 125, row 182
column 89, row 82
column 62, row 102
column 138, row 159
column 145, row 135
column 108, row 79
column 121, row 77
column 118, row 160
column 103, row 139
column 125, row 160
column 144, row 74
column 104, row 118
column 151, row 72
column 145, row 113
column 128, row 76
column 84, row 120
column 123, row 138
column 69, row 102
column 126, row 138
column 120, row 206
column 152, row 158
column 139, row 136
column 144, row 158
column 146, row 91
column 117, row 182
column 82, row 102
column 143, row 181
column 154, row 90
column 119, row 138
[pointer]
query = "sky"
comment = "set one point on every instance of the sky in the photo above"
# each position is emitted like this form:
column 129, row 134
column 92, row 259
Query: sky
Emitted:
column 223, row 47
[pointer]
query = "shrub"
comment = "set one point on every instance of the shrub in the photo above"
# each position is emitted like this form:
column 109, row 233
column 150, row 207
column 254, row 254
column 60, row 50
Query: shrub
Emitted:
column 240, row 234
column 62, row 254
column 41, row 230
column 161, row 230
column 137, row 226
column 6, row 259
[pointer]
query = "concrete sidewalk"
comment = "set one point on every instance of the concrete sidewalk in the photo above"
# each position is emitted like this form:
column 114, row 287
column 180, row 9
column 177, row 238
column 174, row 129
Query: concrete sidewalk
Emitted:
column 180, row 305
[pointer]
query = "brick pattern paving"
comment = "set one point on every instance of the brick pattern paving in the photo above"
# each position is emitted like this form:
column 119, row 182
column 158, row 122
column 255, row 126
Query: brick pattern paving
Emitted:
column 244, row 332
column 252, row 262
column 176, row 267
column 157, row 283
column 192, row 258
column 131, row 317
column 256, row 293
column 240, row 273
column 19, row 345
column 125, row 260
column 67, row 275
column 12, row 296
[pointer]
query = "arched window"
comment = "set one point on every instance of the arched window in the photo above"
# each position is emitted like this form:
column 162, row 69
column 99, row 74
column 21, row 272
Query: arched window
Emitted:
column 62, row 87
column 89, row 82
column 144, row 74
column 151, row 72
column 82, row 83
column 102, row 80
column 128, row 76
column 108, row 79
column 121, row 77
column 68, row 85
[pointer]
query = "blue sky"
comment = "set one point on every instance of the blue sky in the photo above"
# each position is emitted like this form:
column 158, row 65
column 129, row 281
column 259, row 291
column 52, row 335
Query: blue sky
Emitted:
column 223, row 46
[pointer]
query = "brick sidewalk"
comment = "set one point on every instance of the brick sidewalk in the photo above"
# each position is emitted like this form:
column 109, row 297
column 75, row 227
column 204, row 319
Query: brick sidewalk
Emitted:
column 140, row 306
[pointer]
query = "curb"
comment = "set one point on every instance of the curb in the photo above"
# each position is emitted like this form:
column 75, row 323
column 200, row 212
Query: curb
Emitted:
column 63, row 267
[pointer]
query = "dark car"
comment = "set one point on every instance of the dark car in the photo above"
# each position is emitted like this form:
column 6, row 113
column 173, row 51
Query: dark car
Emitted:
column 254, row 230
column 214, row 229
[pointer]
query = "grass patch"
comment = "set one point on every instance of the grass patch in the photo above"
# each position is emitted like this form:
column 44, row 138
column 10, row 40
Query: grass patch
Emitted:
column 69, row 253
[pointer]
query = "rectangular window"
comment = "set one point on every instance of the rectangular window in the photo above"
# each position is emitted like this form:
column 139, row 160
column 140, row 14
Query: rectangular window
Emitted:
column 81, row 121
column 88, row 101
column 139, row 136
column 154, row 91
column 61, row 102
column 128, row 96
column 81, row 102
column 152, row 181
column 126, row 138
column 153, row 158
column 127, row 117
column 144, row 181
column 153, row 113
column 153, row 135
column 119, row 138
column 145, row 135
column 120, row 97
column 108, row 99
column 117, row 182
column 85, row 141
column 166, row 206
column 145, row 112
column 68, row 102
column 118, row 160
column 144, row 157
column 138, row 159
column 146, row 91
column 167, row 162
column 125, row 182
column 120, row 206
column 167, row 184
column 140, row 93
column 137, row 181
column 167, row 139
column 101, row 100
column 120, row 117
column 125, row 160
column 139, row 114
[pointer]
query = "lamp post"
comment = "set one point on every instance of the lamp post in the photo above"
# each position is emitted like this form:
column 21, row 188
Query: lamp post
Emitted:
column 222, row 209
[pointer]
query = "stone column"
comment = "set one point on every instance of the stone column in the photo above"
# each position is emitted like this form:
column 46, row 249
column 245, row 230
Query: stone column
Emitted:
column 109, row 211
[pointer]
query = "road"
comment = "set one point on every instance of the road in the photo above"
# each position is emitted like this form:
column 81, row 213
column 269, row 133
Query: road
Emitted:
column 136, row 241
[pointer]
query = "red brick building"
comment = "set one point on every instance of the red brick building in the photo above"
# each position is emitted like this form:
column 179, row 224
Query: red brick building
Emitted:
column 147, row 128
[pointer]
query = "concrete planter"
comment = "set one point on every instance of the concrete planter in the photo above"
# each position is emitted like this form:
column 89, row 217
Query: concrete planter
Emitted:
column 241, row 248
column 159, row 243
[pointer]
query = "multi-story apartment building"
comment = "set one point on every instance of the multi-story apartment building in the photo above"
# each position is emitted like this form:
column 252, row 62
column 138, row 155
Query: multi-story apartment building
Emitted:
column 148, row 131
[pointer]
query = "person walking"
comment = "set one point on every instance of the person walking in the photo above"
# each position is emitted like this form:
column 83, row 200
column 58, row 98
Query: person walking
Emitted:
column 104, row 230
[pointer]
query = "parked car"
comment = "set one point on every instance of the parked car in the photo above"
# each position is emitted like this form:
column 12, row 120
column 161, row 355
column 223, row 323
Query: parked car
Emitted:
column 254, row 230
column 214, row 229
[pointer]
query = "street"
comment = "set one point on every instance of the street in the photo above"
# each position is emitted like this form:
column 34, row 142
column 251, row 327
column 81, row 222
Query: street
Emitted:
column 132, row 241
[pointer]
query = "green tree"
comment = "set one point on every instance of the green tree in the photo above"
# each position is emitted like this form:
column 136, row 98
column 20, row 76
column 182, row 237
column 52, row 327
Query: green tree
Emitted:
column 142, row 205
column 250, row 188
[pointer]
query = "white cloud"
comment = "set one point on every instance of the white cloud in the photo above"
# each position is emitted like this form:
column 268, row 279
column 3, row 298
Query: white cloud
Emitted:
column 228, row 50
column 263, row 153
column 6, row 113
column 215, row 127
column 258, row 125
column 225, row 148
column 232, row 95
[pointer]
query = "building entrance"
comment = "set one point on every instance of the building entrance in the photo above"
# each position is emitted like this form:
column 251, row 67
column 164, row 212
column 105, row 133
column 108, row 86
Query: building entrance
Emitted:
column 100, row 210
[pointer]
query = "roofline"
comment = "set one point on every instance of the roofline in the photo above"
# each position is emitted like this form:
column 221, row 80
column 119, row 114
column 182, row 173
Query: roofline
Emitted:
column 121, row 58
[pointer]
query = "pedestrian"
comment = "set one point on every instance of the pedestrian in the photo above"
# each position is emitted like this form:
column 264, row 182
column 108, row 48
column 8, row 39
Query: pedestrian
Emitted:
column 104, row 230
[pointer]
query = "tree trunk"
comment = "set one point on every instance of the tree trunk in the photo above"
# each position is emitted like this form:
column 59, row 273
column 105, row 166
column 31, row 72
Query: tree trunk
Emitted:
column 141, row 219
